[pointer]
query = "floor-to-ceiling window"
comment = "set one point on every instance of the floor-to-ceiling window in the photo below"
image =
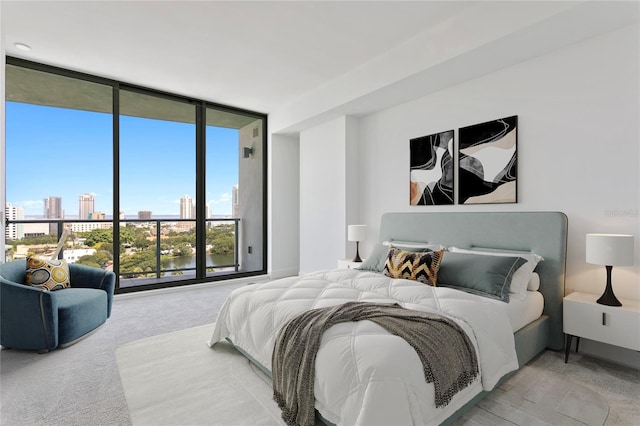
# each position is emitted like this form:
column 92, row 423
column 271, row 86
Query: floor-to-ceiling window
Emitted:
column 157, row 187
column 59, row 163
column 161, row 189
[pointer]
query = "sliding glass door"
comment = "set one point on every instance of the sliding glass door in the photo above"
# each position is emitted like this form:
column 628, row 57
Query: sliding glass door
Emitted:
column 157, row 186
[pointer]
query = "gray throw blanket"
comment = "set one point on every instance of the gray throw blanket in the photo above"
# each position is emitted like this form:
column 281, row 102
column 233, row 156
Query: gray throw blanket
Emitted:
column 448, row 356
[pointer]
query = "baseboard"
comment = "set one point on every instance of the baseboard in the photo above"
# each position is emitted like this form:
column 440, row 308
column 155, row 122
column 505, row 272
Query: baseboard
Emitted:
column 283, row 273
column 222, row 283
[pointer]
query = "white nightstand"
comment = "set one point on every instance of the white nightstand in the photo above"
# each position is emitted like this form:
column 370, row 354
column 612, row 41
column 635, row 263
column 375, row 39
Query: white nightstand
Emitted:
column 348, row 264
column 614, row 325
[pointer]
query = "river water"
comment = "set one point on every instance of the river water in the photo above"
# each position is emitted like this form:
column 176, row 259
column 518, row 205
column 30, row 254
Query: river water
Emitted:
column 213, row 260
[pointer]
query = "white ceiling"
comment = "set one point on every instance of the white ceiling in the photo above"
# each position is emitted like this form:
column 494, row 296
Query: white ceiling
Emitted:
column 300, row 61
column 254, row 55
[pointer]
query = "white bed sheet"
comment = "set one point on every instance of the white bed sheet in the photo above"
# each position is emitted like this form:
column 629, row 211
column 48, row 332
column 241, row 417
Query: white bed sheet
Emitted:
column 522, row 312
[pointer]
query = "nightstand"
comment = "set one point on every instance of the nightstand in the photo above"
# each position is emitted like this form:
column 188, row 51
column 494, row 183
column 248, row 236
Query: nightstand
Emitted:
column 614, row 325
column 348, row 264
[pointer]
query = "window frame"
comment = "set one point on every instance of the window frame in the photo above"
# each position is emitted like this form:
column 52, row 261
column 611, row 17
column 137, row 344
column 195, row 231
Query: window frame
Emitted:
column 201, row 107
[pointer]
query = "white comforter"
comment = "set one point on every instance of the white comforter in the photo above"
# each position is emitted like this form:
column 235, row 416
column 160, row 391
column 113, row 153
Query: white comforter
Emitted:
column 364, row 375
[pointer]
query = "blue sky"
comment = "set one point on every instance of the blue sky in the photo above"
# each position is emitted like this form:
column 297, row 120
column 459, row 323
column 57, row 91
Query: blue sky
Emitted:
column 64, row 153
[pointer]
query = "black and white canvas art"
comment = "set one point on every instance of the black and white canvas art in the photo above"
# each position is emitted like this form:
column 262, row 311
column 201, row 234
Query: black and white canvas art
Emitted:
column 431, row 172
column 487, row 162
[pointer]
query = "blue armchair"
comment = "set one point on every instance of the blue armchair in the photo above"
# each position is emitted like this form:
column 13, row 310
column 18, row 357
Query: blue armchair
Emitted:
column 44, row 320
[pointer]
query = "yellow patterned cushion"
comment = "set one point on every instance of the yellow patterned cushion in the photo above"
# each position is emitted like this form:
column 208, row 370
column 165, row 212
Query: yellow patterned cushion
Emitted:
column 47, row 274
column 410, row 265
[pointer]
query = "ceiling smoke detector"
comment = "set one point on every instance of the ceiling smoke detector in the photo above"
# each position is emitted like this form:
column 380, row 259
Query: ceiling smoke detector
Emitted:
column 22, row 46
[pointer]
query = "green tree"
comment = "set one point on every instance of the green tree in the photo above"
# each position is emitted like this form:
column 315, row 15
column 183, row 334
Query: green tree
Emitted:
column 223, row 244
column 96, row 236
column 139, row 262
column 143, row 263
column 98, row 259
column 41, row 239
column 88, row 261
column 141, row 242
column 182, row 249
column 221, row 238
column 108, row 247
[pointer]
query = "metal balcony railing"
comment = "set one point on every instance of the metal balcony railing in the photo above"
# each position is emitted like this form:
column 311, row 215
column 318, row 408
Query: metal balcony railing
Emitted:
column 157, row 224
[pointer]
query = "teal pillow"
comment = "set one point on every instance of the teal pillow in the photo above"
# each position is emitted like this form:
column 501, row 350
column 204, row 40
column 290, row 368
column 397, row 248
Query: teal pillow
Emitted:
column 376, row 260
column 488, row 276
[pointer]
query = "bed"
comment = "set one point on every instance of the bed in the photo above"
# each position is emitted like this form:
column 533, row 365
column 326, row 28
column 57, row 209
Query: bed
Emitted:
column 364, row 374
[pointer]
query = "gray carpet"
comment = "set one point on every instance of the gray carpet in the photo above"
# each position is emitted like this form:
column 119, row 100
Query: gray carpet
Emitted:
column 80, row 385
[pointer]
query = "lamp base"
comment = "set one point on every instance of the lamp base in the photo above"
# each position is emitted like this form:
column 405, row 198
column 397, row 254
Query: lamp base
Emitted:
column 608, row 298
column 357, row 258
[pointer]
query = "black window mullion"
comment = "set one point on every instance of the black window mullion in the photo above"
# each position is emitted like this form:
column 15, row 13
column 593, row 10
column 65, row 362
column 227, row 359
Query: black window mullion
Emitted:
column 201, row 202
column 116, row 183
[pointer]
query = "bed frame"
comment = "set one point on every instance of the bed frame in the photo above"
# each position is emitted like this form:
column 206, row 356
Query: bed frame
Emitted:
column 543, row 233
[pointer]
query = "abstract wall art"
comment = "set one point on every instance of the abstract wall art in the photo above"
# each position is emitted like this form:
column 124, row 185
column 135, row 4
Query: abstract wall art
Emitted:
column 487, row 162
column 431, row 170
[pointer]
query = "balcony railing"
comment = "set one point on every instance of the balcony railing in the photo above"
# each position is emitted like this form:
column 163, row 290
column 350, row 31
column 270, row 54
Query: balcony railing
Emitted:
column 157, row 230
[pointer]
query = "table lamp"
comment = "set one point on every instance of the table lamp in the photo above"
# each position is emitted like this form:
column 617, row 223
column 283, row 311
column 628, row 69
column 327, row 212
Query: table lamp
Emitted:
column 357, row 233
column 609, row 250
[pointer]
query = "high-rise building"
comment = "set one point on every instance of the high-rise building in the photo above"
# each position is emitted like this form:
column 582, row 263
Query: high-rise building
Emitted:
column 187, row 208
column 235, row 205
column 144, row 214
column 14, row 231
column 53, row 210
column 86, row 226
column 85, row 206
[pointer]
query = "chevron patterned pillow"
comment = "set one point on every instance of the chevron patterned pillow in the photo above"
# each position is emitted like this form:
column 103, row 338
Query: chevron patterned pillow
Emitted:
column 410, row 265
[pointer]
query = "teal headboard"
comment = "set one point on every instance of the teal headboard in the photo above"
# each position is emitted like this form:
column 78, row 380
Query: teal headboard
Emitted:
column 544, row 233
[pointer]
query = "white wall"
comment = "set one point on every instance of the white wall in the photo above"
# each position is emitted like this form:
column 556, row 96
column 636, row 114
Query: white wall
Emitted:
column 328, row 193
column 283, row 246
column 322, row 195
column 578, row 142
column 250, row 188
column 578, row 148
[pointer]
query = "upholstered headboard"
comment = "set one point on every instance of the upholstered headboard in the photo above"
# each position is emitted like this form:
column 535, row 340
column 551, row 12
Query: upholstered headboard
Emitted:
column 544, row 233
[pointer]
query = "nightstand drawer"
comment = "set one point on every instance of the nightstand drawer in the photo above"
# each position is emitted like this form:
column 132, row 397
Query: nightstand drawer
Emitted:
column 619, row 326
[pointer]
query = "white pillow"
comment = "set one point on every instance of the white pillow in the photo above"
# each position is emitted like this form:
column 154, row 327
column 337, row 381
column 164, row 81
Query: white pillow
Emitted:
column 534, row 282
column 408, row 245
column 521, row 278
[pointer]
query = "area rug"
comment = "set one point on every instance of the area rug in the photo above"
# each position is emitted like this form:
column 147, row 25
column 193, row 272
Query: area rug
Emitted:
column 176, row 379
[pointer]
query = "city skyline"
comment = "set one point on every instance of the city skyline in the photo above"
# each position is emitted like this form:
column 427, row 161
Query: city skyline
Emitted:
column 157, row 162
column 58, row 202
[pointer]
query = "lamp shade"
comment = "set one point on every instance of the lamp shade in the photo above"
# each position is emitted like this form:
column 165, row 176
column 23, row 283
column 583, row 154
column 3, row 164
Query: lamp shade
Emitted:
column 357, row 232
column 610, row 249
